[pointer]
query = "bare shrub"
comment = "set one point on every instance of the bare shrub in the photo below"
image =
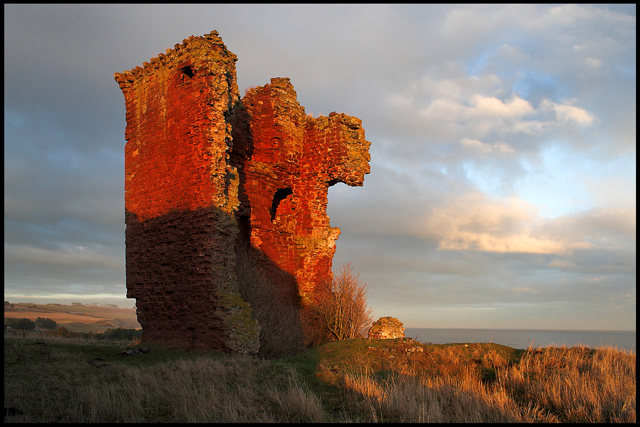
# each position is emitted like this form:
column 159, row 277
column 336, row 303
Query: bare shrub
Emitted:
column 250, row 89
column 340, row 311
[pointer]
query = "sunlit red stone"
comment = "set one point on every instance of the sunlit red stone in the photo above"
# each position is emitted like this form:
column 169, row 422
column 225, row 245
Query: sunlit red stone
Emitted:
column 208, row 174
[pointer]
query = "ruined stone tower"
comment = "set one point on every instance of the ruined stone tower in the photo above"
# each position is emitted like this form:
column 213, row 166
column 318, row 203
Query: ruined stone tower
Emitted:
column 210, row 177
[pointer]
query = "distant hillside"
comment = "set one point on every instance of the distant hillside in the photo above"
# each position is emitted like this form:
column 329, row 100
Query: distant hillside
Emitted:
column 76, row 318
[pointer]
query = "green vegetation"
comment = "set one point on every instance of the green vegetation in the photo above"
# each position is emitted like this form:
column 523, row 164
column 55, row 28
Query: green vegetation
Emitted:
column 51, row 378
column 88, row 318
column 120, row 334
column 21, row 324
column 44, row 323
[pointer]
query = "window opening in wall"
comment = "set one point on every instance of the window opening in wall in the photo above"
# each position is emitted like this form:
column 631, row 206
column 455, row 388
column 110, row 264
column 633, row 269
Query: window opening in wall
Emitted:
column 281, row 194
column 187, row 71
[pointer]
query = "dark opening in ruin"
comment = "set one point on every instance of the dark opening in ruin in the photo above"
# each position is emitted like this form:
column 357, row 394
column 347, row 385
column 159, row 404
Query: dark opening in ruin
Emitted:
column 187, row 71
column 244, row 235
column 281, row 194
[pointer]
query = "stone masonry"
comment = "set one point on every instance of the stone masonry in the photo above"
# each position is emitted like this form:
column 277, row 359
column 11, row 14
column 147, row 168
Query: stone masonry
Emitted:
column 295, row 159
column 386, row 328
column 209, row 175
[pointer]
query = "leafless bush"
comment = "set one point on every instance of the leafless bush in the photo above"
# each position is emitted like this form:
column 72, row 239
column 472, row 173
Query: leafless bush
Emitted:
column 340, row 311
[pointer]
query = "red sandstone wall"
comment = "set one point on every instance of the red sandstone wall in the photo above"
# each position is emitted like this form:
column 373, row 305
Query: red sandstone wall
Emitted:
column 298, row 157
column 207, row 176
column 179, row 194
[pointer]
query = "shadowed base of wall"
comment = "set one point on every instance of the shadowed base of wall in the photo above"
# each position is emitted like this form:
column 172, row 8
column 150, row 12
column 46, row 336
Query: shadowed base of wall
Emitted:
column 198, row 285
column 272, row 294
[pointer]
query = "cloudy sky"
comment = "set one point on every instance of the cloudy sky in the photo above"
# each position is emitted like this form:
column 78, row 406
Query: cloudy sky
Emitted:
column 502, row 191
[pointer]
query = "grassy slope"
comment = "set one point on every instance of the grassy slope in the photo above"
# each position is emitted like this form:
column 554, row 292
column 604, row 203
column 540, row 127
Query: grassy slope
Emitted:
column 324, row 367
column 353, row 380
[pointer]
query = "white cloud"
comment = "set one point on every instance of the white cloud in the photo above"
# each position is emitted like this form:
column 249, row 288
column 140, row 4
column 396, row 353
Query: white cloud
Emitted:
column 532, row 127
column 493, row 108
column 607, row 227
column 584, row 19
column 524, row 242
column 474, row 144
column 484, row 108
column 477, row 108
column 594, row 63
column 567, row 113
column 476, row 222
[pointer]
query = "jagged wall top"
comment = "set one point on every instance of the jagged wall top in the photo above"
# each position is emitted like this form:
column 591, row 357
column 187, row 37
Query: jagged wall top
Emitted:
column 208, row 48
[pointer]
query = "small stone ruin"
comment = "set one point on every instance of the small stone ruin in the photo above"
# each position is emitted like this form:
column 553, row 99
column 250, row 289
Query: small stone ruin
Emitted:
column 386, row 328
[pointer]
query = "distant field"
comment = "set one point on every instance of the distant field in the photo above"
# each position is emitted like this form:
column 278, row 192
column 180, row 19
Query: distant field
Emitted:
column 77, row 318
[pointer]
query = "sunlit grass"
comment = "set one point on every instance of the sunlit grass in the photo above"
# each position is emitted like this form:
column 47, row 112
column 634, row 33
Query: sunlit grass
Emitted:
column 349, row 381
column 478, row 383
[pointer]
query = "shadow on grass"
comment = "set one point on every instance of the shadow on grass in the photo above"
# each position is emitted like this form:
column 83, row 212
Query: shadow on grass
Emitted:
column 384, row 380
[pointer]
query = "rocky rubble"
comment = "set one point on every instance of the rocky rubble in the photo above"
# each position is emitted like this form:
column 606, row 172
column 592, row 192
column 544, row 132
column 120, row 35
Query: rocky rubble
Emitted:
column 386, row 328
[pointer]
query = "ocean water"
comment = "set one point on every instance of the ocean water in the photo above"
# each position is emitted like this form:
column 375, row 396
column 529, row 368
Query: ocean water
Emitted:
column 523, row 338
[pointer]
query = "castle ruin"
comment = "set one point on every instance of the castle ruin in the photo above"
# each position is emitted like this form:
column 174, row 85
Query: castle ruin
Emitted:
column 211, row 177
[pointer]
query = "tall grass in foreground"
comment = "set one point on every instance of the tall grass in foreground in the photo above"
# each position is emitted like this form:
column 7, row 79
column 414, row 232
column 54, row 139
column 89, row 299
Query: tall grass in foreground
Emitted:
column 562, row 384
column 356, row 380
column 197, row 388
column 197, row 391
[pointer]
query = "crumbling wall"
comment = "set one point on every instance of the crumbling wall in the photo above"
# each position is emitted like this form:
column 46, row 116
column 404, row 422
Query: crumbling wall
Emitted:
column 208, row 176
column 386, row 328
column 295, row 159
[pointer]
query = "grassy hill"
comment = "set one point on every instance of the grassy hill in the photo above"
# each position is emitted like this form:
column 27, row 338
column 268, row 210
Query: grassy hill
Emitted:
column 401, row 380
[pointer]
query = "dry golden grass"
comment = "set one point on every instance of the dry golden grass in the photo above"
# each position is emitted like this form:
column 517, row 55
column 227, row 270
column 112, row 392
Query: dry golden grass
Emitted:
column 348, row 381
column 576, row 384
column 563, row 384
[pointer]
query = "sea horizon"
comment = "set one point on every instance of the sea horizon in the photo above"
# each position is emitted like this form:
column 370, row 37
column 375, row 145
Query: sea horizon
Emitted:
column 524, row 338
column 530, row 329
